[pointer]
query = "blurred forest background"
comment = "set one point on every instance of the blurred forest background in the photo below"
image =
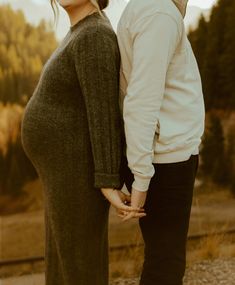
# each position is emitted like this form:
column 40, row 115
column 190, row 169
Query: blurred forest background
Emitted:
column 24, row 49
column 213, row 43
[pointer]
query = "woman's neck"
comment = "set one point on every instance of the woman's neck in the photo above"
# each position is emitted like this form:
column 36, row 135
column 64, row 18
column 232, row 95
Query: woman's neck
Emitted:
column 79, row 12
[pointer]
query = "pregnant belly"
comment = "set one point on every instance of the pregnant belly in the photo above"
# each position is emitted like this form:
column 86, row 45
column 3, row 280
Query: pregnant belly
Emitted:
column 53, row 136
column 39, row 134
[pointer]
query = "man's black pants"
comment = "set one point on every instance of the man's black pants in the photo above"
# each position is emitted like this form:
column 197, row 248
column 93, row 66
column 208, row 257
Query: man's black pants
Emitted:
column 165, row 227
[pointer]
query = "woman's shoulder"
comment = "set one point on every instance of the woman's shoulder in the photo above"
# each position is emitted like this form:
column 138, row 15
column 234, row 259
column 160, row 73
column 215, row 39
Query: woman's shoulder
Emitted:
column 93, row 28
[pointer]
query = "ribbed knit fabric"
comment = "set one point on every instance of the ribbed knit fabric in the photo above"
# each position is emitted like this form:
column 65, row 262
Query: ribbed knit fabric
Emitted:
column 72, row 133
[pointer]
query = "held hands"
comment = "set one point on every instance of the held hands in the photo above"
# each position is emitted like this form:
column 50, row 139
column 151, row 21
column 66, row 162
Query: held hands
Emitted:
column 137, row 199
column 126, row 206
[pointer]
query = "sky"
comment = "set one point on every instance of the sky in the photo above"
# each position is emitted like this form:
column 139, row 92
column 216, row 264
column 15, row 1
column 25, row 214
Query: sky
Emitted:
column 201, row 3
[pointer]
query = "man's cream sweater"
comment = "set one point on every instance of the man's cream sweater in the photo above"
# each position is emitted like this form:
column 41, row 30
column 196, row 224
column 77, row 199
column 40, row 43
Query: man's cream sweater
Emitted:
column 161, row 94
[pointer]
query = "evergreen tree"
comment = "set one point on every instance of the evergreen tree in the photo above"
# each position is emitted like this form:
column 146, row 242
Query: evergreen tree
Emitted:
column 198, row 39
column 227, row 59
column 231, row 157
column 214, row 162
column 214, row 49
column 213, row 43
column 1, row 171
column 15, row 180
column 24, row 49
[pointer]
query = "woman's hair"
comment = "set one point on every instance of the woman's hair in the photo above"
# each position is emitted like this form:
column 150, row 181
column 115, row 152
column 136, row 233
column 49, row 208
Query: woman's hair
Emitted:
column 55, row 9
column 99, row 4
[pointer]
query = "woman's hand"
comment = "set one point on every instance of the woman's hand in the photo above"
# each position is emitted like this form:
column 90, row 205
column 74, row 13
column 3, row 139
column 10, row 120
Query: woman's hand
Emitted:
column 138, row 199
column 118, row 200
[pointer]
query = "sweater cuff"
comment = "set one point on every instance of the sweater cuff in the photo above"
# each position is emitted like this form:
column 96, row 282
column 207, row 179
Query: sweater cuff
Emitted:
column 141, row 184
column 105, row 180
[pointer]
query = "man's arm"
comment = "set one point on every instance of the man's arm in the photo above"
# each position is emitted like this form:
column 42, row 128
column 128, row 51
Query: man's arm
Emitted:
column 154, row 41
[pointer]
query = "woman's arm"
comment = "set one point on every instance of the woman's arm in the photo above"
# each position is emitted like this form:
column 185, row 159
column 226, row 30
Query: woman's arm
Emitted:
column 97, row 62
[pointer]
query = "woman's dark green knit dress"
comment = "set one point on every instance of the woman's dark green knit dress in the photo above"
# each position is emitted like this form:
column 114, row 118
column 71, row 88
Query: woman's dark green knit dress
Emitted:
column 72, row 133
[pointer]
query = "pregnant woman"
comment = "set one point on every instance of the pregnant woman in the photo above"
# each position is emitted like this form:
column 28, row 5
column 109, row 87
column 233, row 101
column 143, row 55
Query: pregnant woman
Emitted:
column 72, row 133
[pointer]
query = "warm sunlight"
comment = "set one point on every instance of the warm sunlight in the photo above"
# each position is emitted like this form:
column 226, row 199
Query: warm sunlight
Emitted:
column 117, row 142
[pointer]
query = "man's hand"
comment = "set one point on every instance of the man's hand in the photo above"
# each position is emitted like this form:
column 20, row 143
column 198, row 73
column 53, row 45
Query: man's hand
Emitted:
column 138, row 199
column 117, row 201
column 126, row 199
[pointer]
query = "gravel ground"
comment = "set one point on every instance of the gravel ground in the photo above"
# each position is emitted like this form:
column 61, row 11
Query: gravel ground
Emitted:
column 208, row 272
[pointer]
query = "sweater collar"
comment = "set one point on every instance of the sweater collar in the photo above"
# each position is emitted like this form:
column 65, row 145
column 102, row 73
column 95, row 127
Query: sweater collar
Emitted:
column 181, row 5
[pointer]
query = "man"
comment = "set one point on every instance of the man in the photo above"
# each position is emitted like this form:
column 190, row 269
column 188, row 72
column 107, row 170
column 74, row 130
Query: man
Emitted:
column 163, row 110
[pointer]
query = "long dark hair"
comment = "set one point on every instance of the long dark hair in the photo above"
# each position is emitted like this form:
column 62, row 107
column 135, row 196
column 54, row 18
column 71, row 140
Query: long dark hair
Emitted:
column 103, row 4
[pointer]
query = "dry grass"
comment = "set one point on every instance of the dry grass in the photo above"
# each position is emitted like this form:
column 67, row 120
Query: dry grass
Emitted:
column 215, row 245
column 213, row 210
column 210, row 247
column 127, row 263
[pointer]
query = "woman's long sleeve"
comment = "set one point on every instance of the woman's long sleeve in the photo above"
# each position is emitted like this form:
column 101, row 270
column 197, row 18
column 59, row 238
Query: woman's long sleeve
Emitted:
column 97, row 63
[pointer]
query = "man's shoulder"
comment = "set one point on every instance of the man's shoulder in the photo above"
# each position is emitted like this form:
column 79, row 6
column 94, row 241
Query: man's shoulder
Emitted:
column 140, row 9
